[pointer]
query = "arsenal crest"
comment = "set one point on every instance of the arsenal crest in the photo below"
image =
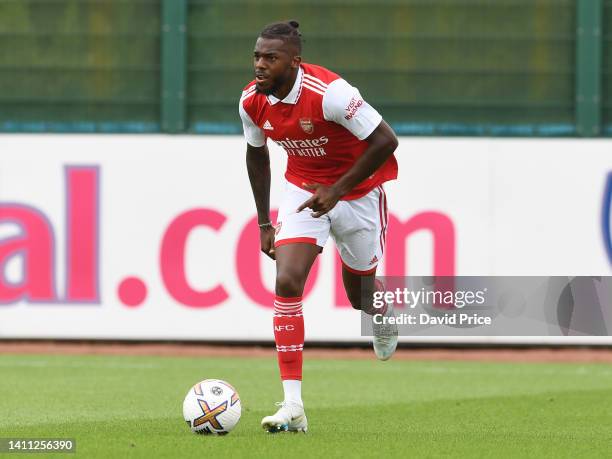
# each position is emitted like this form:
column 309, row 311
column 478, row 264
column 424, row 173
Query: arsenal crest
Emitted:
column 307, row 126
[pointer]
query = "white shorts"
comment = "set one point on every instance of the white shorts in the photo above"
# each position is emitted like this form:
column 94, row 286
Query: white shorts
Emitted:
column 358, row 227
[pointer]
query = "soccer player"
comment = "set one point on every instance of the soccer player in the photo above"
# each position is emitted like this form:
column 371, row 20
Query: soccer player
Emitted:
column 340, row 152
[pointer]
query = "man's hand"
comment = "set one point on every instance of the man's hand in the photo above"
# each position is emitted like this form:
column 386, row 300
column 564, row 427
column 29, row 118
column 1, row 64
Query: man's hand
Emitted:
column 266, row 239
column 323, row 200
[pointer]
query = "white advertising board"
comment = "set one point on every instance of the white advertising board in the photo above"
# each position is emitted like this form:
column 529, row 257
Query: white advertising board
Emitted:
column 154, row 237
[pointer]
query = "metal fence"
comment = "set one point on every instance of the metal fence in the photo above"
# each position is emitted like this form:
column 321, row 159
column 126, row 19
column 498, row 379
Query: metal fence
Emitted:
column 79, row 66
column 431, row 67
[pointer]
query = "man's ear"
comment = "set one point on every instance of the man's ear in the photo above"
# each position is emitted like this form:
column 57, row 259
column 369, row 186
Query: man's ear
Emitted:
column 296, row 61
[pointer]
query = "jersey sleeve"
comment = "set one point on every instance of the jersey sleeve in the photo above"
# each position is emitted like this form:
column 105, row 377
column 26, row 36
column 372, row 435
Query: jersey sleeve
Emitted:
column 343, row 104
column 252, row 133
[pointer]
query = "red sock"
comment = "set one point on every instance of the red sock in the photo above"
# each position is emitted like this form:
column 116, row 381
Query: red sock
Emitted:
column 289, row 336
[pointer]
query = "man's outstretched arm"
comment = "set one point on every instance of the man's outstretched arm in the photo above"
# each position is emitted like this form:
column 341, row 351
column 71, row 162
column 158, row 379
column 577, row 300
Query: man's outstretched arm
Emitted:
column 382, row 142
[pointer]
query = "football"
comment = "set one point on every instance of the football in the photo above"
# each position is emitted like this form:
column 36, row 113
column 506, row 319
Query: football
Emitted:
column 212, row 406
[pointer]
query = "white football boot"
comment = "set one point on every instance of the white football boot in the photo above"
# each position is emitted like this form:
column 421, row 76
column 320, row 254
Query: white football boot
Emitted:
column 385, row 336
column 289, row 418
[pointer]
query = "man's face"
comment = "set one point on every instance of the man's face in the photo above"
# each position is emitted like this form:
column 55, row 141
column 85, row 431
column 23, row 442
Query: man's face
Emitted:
column 273, row 60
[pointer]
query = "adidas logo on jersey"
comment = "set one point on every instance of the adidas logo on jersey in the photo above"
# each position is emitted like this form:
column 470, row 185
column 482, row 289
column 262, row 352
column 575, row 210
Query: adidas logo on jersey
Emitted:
column 268, row 126
column 374, row 260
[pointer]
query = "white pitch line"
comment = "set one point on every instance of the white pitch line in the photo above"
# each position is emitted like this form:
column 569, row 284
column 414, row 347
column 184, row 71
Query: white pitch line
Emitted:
column 47, row 364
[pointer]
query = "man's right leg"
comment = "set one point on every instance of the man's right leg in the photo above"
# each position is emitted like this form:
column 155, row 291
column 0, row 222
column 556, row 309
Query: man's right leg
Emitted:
column 299, row 240
column 293, row 263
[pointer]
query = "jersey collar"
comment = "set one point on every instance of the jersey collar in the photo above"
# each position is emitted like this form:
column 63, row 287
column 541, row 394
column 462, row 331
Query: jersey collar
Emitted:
column 293, row 95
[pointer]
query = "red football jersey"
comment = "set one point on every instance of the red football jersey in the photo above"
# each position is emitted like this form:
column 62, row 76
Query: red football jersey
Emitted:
column 321, row 124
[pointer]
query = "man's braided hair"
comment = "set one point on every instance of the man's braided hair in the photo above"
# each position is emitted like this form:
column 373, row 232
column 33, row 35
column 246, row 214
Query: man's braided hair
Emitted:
column 286, row 31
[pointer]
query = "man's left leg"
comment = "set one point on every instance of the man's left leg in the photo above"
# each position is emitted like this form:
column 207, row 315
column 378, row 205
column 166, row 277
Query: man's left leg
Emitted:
column 360, row 288
column 359, row 229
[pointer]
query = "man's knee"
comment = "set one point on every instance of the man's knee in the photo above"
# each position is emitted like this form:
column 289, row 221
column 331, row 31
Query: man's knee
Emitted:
column 289, row 283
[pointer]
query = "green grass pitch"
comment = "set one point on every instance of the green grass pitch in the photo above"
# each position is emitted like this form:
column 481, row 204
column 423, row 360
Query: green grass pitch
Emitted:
column 119, row 406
